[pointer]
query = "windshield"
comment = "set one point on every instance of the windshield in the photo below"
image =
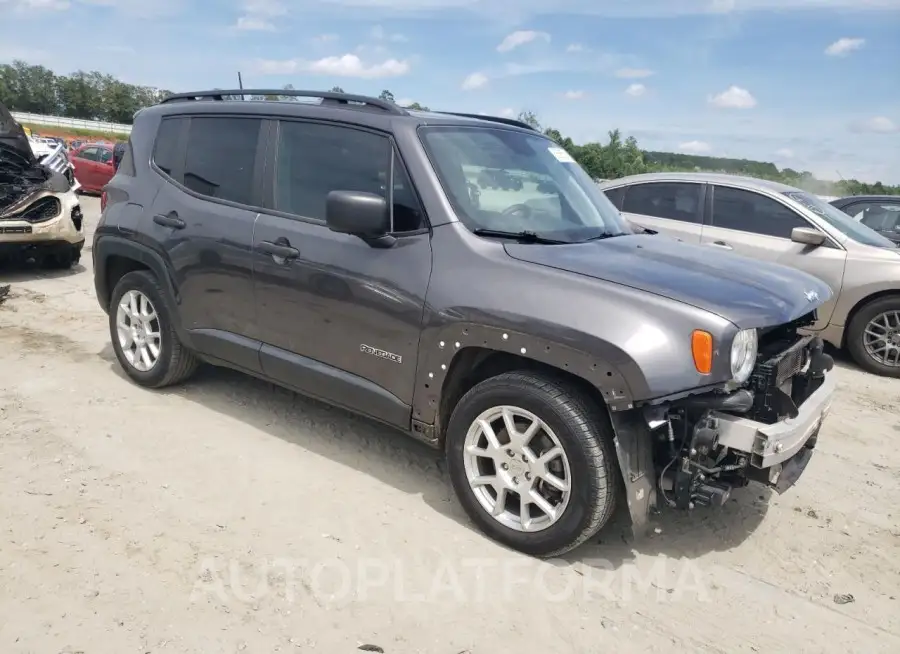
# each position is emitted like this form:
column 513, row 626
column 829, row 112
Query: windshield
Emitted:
column 839, row 220
column 510, row 181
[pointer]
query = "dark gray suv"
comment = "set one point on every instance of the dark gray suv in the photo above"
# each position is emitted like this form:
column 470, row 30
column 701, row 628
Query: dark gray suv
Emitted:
column 348, row 249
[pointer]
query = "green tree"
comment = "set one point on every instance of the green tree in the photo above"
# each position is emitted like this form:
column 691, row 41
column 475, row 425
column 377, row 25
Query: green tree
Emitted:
column 337, row 89
column 387, row 96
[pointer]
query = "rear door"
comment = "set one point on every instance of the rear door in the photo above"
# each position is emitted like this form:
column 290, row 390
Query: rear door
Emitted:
column 203, row 215
column 85, row 162
column 759, row 226
column 671, row 208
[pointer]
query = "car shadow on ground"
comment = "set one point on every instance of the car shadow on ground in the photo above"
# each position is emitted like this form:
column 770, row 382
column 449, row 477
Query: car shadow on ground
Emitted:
column 416, row 469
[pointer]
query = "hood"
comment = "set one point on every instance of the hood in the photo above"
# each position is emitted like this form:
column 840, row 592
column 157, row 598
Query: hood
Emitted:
column 22, row 178
column 15, row 150
column 747, row 292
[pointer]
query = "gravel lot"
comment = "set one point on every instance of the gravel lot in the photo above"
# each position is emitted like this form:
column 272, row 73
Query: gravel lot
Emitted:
column 229, row 515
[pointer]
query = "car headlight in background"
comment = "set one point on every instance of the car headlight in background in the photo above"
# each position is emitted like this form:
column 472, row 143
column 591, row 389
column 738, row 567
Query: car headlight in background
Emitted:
column 743, row 354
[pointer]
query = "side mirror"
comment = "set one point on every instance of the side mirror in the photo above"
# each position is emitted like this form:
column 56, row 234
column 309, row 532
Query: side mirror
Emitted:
column 807, row 236
column 365, row 215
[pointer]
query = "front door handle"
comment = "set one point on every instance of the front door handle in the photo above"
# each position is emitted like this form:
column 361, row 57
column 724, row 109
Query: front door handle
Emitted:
column 171, row 219
column 721, row 244
column 281, row 249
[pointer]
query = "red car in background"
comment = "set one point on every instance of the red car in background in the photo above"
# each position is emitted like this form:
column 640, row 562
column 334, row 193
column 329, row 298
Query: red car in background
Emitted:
column 93, row 165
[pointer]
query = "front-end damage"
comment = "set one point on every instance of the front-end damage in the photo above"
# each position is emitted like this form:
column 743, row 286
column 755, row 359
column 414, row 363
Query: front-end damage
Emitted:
column 40, row 215
column 694, row 450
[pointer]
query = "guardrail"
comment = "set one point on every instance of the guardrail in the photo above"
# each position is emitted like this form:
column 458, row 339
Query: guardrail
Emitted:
column 71, row 123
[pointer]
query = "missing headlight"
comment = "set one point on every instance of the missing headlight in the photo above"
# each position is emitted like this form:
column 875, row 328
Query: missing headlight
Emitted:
column 47, row 208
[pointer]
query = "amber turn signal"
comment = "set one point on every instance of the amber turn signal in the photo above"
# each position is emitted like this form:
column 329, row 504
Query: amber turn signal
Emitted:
column 702, row 349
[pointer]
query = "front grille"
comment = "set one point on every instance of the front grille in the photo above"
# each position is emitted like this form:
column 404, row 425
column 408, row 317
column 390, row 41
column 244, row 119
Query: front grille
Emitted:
column 47, row 208
column 780, row 368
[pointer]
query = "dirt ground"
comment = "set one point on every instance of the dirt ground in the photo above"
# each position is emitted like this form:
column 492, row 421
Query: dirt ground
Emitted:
column 231, row 516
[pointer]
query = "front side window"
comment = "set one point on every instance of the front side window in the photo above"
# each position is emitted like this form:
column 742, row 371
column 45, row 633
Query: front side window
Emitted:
column 673, row 200
column 314, row 159
column 221, row 154
column 748, row 211
column 839, row 220
column 105, row 155
column 91, row 154
column 882, row 217
column 511, row 181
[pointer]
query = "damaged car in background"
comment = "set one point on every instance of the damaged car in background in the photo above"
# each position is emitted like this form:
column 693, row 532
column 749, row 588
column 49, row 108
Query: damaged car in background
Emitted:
column 40, row 215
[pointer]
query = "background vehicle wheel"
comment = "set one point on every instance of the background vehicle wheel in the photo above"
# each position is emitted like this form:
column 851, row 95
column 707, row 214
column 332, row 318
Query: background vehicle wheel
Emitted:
column 532, row 462
column 873, row 337
column 142, row 334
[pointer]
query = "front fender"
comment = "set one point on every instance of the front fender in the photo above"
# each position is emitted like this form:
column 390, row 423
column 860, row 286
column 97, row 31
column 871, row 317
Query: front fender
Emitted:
column 439, row 345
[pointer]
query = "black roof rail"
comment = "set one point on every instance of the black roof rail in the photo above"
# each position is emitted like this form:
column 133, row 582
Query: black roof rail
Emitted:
column 327, row 97
column 496, row 119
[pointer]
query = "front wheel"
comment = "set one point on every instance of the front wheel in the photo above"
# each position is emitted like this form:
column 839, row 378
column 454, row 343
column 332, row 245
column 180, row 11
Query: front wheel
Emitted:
column 531, row 460
column 873, row 337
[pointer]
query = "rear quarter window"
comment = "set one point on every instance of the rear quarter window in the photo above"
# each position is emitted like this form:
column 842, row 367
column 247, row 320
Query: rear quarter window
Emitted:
column 166, row 148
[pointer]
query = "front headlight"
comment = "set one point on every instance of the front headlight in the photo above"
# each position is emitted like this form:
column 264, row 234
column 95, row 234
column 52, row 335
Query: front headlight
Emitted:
column 743, row 354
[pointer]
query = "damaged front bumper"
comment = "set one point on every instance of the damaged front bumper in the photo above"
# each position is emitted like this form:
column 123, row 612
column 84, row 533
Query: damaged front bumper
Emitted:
column 694, row 451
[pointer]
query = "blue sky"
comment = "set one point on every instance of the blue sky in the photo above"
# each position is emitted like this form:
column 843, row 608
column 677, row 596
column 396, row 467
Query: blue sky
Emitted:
column 810, row 84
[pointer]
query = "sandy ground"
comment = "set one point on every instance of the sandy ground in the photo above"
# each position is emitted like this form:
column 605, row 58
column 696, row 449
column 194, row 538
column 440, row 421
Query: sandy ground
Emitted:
column 228, row 515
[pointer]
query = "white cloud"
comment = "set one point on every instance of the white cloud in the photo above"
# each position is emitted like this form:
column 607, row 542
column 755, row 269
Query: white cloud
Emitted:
column 348, row 65
column 521, row 37
column 734, row 97
column 694, row 147
column 474, row 81
column 265, row 7
column 38, row 5
column 254, row 24
column 785, row 153
column 574, row 95
column 636, row 90
column 508, row 113
column 844, row 46
column 633, row 73
column 405, row 102
column 576, row 47
column 876, row 125
column 322, row 39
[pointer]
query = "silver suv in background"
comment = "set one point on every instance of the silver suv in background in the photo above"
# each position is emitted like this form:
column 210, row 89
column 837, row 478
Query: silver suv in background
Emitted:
column 779, row 223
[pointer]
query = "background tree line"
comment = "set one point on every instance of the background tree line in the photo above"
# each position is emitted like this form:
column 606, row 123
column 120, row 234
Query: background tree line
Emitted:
column 95, row 96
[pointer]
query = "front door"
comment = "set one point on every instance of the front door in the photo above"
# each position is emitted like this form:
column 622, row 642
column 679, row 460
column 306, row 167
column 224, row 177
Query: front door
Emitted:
column 204, row 215
column 86, row 163
column 759, row 227
column 671, row 208
column 340, row 319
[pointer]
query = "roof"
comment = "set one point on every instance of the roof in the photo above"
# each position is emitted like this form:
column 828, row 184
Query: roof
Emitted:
column 354, row 108
column 867, row 198
column 709, row 178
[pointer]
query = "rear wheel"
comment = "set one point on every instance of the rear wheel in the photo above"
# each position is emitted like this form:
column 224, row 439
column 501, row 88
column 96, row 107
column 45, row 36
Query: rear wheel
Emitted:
column 143, row 334
column 873, row 337
column 531, row 460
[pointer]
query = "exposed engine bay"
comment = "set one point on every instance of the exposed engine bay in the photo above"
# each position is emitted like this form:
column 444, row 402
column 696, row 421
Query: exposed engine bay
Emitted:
column 40, row 215
column 706, row 445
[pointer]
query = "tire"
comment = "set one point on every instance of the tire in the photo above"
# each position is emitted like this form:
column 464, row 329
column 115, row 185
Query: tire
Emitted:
column 175, row 363
column 582, row 430
column 856, row 335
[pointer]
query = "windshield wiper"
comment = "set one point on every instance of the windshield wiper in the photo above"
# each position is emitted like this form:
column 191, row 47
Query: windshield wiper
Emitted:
column 601, row 236
column 524, row 236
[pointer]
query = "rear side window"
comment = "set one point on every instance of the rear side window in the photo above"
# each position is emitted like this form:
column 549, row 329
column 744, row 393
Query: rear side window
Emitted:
column 672, row 200
column 90, row 154
column 315, row 159
column 221, row 153
column 616, row 195
column 751, row 212
column 166, row 148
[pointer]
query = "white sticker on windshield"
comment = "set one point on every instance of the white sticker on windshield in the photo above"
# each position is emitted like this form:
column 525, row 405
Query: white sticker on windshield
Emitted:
column 561, row 155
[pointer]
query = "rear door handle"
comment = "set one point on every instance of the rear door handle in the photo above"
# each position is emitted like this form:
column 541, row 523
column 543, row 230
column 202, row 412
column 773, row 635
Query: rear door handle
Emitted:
column 281, row 249
column 169, row 220
column 721, row 244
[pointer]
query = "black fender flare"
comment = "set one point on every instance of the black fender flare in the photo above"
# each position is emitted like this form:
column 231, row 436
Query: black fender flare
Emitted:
column 107, row 246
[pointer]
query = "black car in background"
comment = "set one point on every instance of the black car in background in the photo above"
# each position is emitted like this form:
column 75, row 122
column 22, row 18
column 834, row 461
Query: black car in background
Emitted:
column 880, row 212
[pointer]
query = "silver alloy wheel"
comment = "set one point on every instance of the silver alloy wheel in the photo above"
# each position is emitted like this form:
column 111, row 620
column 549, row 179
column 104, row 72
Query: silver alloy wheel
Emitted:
column 881, row 338
column 517, row 468
column 137, row 324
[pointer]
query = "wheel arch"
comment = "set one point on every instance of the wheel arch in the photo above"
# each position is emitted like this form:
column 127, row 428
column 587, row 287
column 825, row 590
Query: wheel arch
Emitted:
column 878, row 295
